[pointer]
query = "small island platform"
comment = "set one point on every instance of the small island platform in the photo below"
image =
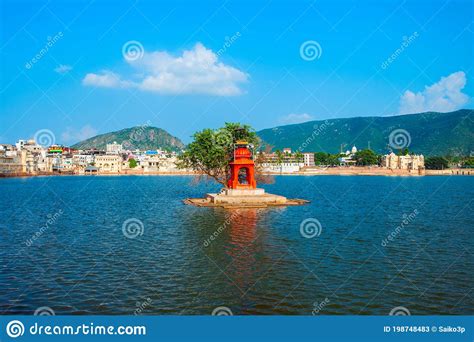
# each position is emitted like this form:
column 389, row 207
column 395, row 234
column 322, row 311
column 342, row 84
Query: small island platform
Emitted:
column 243, row 198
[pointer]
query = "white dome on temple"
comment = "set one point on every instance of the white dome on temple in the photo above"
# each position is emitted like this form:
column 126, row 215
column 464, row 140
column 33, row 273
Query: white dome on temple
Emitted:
column 354, row 149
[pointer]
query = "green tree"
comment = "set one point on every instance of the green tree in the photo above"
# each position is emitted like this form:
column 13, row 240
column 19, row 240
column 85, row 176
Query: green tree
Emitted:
column 366, row 157
column 321, row 158
column 299, row 156
column 403, row 152
column 468, row 162
column 436, row 163
column 211, row 150
column 280, row 159
column 132, row 163
column 333, row 160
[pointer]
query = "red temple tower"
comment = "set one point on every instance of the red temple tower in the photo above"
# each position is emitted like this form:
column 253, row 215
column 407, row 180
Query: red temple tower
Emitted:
column 242, row 168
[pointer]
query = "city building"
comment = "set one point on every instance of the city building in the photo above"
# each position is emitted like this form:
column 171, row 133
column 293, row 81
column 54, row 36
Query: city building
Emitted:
column 108, row 163
column 408, row 162
column 114, row 148
column 82, row 160
column 348, row 159
column 308, row 158
column 9, row 165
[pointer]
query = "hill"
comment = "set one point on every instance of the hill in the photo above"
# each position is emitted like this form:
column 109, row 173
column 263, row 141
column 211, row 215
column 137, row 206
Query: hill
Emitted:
column 140, row 137
column 428, row 133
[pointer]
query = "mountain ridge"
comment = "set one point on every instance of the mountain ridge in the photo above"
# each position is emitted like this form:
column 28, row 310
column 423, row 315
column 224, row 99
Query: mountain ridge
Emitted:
column 430, row 133
column 137, row 137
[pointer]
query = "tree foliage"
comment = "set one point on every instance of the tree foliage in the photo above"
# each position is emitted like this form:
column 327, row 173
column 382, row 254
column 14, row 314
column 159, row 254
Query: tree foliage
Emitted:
column 436, row 163
column 326, row 159
column 299, row 157
column 211, row 150
column 132, row 163
column 468, row 162
column 403, row 151
column 366, row 157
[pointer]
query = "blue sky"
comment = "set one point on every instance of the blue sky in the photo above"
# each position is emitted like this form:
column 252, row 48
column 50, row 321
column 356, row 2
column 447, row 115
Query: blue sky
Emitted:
column 184, row 66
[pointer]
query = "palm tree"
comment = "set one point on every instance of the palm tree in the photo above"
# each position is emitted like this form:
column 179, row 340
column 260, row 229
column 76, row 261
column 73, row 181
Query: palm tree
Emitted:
column 298, row 156
column 280, row 159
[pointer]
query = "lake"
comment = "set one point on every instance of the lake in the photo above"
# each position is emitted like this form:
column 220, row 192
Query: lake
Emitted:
column 128, row 245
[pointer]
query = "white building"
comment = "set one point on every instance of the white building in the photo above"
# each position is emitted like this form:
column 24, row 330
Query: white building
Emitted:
column 114, row 148
column 285, row 167
column 308, row 158
column 82, row 160
column 408, row 162
column 109, row 163
column 348, row 159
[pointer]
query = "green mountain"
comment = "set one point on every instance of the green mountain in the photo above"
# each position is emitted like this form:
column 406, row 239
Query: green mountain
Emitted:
column 427, row 133
column 141, row 137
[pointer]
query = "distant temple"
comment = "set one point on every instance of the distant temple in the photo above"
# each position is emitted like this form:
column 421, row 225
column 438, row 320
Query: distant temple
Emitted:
column 408, row 162
column 242, row 168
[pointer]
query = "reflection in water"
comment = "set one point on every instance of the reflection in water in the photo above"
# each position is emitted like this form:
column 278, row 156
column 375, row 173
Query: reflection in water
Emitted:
column 242, row 234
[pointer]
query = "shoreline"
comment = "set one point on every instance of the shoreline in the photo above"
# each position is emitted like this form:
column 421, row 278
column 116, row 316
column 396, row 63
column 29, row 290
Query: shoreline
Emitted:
column 319, row 172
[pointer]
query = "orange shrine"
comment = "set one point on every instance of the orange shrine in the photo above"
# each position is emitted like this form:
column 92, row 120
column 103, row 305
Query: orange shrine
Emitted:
column 242, row 168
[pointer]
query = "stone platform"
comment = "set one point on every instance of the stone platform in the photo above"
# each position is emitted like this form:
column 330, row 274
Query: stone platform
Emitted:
column 243, row 198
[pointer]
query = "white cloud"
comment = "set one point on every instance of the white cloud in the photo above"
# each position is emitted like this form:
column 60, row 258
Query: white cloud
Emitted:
column 196, row 71
column 63, row 68
column 73, row 135
column 295, row 118
column 105, row 79
column 444, row 96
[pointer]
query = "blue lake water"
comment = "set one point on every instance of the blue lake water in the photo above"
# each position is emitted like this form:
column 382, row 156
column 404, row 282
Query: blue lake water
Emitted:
column 62, row 245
